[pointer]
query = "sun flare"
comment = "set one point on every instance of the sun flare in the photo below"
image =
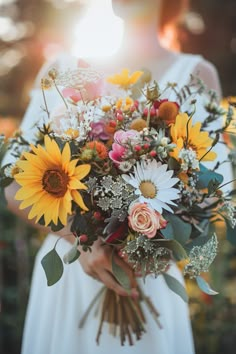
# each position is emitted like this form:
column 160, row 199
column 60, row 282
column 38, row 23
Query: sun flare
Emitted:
column 99, row 33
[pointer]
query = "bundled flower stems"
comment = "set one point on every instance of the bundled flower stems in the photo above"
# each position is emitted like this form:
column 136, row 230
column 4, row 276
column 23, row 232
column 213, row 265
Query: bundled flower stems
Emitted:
column 124, row 315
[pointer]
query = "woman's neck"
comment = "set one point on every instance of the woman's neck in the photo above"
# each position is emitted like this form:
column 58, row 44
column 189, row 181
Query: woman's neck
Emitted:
column 140, row 42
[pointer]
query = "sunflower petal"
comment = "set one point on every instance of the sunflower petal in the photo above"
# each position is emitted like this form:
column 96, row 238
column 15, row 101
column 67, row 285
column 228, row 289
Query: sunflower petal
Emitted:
column 78, row 199
column 82, row 171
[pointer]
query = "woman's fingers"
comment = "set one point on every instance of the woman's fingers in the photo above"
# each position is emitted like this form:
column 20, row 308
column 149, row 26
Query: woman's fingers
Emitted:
column 98, row 264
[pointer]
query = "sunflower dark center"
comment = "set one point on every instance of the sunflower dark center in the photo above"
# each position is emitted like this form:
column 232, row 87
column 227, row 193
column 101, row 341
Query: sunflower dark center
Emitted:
column 148, row 189
column 55, row 182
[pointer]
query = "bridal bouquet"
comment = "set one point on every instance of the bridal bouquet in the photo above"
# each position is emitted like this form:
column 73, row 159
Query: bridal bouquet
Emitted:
column 129, row 167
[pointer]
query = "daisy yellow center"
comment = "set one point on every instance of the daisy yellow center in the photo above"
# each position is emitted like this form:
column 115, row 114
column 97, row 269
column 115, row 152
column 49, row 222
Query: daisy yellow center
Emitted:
column 148, row 189
column 55, row 182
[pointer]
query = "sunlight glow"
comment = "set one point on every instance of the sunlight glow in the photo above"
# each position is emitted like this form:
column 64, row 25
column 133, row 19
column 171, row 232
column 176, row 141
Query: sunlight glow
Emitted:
column 99, row 33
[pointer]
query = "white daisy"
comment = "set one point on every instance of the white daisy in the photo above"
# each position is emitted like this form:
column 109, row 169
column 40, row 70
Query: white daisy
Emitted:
column 153, row 184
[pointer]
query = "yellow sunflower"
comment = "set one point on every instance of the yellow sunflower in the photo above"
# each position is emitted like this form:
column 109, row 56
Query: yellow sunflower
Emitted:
column 124, row 80
column 49, row 182
column 186, row 135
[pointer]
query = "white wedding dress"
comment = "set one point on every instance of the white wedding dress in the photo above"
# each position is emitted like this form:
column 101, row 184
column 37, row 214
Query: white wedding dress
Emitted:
column 53, row 314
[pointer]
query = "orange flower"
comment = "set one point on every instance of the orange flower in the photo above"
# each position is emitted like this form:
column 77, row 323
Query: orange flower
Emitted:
column 109, row 128
column 168, row 111
column 99, row 148
column 138, row 124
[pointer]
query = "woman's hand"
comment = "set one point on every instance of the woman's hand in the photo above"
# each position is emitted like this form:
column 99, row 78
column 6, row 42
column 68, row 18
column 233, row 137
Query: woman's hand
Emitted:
column 98, row 264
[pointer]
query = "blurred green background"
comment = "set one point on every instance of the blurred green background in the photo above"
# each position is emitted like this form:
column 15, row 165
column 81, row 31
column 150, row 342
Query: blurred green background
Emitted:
column 31, row 31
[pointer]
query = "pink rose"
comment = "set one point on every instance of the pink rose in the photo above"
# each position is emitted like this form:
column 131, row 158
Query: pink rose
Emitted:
column 145, row 220
column 120, row 147
column 123, row 137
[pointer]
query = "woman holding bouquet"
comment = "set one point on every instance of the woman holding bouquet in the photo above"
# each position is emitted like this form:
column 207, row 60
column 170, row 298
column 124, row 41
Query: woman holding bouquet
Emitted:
column 53, row 314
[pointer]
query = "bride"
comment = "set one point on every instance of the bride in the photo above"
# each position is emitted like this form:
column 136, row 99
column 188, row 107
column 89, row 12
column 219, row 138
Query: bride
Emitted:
column 51, row 325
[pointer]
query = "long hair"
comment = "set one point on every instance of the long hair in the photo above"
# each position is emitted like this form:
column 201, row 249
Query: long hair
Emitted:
column 171, row 16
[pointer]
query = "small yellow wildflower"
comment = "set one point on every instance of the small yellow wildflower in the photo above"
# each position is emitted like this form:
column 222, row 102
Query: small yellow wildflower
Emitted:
column 124, row 80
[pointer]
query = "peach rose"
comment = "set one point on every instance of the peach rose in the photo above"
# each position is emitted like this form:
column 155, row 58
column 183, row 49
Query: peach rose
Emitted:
column 145, row 220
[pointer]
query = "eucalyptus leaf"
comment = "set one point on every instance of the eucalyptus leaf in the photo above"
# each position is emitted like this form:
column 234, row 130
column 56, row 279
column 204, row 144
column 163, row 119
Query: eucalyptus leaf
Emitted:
column 177, row 249
column 205, row 178
column 120, row 274
column 176, row 286
column 205, row 287
column 53, row 267
column 168, row 232
column 200, row 241
column 177, row 229
column 201, row 229
column 73, row 254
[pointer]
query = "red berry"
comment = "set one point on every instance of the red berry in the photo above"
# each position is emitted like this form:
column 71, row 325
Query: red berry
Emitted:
column 145, row 111
column 146, row 146
column 132, row 108
column 137, row 148
column 153, row 153
column 120, row 117
column 112, row 123
column 83, row 238
column 152, row 111
column 97, row 215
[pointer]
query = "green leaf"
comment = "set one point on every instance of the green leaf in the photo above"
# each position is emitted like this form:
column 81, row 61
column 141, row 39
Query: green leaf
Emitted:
column 205, row 287
column 212, row 186
column 230, row 233
column 56, row 227
column 177, row 229
column 177, row 249
column 53, row 267
column 73, row 253
column 168, row 232
column 201, row 229
column 205, row 178
column 200, row 241
column 173, row 164
column 176, row 286
column 120, row 274
column 173, row 245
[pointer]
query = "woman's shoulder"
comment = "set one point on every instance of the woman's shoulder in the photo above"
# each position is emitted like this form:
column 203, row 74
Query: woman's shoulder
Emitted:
column 202, row 67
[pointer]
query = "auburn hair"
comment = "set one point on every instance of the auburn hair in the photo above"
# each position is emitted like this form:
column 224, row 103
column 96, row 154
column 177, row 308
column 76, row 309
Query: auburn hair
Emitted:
column 170, row 17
